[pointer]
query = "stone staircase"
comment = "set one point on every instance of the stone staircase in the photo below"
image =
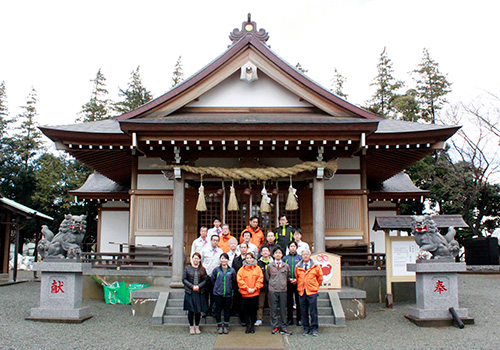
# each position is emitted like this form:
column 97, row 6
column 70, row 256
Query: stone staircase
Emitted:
column 169, row 310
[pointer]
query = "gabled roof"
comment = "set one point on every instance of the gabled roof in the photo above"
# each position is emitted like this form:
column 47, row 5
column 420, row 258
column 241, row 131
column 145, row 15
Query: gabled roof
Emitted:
column 248, row 48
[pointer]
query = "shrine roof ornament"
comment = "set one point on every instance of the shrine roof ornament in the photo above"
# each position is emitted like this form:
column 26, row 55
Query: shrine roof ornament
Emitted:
column 249, row 27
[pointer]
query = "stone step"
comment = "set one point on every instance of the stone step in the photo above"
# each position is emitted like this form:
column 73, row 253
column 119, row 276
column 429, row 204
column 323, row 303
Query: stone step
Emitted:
column 179, row 294
column 171, row 320
column 180, row 302
column 178, row 310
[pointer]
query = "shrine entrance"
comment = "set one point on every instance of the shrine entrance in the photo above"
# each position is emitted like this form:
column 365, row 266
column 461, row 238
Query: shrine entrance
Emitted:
column 249, row 200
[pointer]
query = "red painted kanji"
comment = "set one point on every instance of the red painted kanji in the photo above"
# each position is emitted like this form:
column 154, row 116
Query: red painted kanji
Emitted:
column 57, row 287
column 440, row 287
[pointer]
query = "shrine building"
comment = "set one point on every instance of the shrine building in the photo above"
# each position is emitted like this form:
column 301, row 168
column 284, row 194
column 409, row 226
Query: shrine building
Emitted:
column 247, row 109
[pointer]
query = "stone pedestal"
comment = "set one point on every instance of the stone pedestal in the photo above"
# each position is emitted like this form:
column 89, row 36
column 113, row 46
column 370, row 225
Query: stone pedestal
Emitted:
column 436, row 291
column 61, row 292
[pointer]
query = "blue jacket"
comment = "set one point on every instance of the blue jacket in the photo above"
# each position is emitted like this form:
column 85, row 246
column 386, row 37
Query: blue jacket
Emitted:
column 223, row 283
column 292, row 261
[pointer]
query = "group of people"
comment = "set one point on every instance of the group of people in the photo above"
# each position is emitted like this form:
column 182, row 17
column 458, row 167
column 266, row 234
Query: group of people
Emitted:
column 230, row 275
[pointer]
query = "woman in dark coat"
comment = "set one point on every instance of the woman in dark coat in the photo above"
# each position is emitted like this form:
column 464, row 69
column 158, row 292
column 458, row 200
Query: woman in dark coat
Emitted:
column 194, row 279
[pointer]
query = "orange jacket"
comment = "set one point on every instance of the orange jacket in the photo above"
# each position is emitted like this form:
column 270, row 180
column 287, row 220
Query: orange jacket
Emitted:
column 224, row 243
column 250, row 276
column 310, row 280
column 257, row 236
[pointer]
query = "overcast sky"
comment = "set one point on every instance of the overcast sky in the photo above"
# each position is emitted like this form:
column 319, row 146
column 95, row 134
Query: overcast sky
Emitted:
column 58, row 46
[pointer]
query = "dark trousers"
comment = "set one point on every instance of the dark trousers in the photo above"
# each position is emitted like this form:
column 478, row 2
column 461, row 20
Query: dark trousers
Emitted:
column 237, row 308
column 250, row 306
column 194, row 318
column 222, row 303
column 309, row 307
column 277, row 300
column 291, row 295
column 209, row 288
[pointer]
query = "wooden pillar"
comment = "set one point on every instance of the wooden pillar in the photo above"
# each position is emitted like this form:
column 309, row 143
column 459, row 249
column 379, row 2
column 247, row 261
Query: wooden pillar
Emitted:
column 318, row 199
column 133, row 205
column 16, row 248
column 178, row 238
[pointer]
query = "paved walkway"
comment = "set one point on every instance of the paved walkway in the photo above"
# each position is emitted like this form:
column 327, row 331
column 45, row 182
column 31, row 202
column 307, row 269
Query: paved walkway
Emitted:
column 113, row 327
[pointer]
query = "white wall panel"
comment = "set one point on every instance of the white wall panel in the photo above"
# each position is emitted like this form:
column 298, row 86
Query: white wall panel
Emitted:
column 263, row 92
column 154, row 182
column 378, row 236
column 349, row 163
column 114, row 228
column 344, row 182
column 154, row 240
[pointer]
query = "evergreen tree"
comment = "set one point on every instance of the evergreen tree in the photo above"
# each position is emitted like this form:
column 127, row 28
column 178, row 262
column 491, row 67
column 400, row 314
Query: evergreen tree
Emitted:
column 406, row 106
column 301, row 69
column 178, row 74
column 4, row 111
column 387, row 86
column 27, row 141
column 98, row 107
column 338, row 85
column 134, row 96
column 432, row 87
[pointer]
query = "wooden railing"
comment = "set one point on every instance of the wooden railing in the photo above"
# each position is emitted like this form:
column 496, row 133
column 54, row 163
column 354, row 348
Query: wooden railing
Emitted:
column 142, row 257
column 363, row 260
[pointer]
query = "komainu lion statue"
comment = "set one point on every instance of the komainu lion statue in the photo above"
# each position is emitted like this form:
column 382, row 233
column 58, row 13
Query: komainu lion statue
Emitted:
column 429, row 239
column 65, row 244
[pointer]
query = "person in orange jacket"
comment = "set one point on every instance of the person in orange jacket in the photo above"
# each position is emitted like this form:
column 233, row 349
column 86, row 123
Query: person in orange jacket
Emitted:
column 224, row 238
column 250, row 281
column 254, row 229
column 309, row 278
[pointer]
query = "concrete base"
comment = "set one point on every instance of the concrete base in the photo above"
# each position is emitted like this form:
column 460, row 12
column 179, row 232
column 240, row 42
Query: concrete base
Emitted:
column 437, row 291
column 437, row 322
column 60, row 315
column 61, row 292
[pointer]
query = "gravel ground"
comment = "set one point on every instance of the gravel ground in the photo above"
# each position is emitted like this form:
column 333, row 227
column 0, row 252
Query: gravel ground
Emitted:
column 113, row 327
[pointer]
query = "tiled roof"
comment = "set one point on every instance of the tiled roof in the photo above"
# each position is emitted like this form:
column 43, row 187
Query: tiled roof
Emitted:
column 403, row 222
column 97, row 183
column 108, row 126
column 388, row 126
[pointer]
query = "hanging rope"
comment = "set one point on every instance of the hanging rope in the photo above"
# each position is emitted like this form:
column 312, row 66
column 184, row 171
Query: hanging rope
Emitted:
column 256, row 173
column 201, row 205
column 233, row 202
column 264, row 203
column 291, row 203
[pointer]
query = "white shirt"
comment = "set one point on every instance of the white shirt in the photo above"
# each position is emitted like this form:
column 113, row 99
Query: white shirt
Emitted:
column 252, row 248
column 232, row 255
column 300, row 247
column 214, row 231
column 210, row 258
column 198, row 244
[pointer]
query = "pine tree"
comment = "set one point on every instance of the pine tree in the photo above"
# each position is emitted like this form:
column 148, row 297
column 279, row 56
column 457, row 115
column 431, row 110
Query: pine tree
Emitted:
column 338, row 85
column 432, row 87
column 178, row 73
column 406, row 106
column 134, row 96
column 98, row 107
column 20, row 154
column 27, row 141
column 301, row 69
column 4, row 111
column 387, row 86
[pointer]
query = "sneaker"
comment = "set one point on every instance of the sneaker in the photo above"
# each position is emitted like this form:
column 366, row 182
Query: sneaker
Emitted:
column 258, row 323
column 315, row 333
column 299, row 323
column 285, row 331
column 219, row 329
column 304, row 333
column 275, row 331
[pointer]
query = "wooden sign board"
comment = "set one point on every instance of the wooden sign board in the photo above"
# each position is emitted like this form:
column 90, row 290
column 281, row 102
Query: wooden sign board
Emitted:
column 330, row 265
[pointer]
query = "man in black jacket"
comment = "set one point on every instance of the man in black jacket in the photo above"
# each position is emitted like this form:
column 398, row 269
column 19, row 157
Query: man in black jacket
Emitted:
column 284, row 233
